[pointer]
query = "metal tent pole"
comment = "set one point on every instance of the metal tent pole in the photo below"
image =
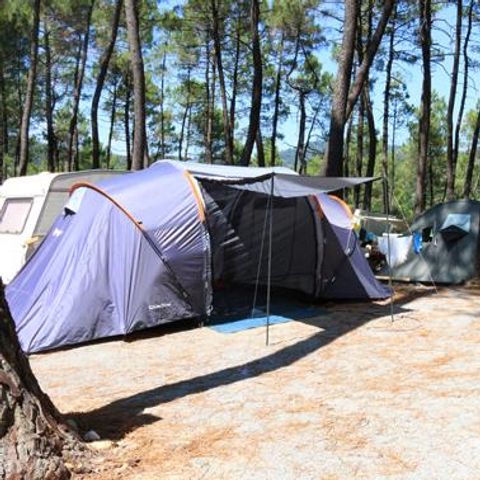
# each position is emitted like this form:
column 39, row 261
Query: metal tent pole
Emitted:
column 390, row 273
column 269, row 273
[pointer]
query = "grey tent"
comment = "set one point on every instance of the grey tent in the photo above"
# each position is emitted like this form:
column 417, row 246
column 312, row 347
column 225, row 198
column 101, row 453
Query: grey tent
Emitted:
column 450, row 241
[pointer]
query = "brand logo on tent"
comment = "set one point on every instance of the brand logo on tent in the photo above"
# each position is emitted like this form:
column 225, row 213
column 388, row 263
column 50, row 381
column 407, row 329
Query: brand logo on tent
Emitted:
column 159, row 306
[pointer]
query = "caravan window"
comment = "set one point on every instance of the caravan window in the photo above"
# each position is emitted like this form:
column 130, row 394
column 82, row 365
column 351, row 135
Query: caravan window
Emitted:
column 14, row 214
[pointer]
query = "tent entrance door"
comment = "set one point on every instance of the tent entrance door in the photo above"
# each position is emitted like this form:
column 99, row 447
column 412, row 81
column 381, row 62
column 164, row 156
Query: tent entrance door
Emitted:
column 238, row 225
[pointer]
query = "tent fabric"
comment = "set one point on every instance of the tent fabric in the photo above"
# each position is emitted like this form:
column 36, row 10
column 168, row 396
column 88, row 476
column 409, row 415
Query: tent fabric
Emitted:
column 292, row 186
column 150, row 247
column 451, row 254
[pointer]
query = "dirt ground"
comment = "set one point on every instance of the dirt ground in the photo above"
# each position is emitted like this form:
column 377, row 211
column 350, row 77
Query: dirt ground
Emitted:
column 344, row 395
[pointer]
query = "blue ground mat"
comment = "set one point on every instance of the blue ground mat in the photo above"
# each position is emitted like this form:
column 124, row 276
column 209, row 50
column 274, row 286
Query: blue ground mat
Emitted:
column 279, row 314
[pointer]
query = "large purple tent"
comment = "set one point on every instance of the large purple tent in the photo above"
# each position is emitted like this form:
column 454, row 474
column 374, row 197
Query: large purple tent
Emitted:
column 147, row 248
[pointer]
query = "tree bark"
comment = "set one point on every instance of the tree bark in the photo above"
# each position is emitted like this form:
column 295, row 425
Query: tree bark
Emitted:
column 386, row 113
column 467, row 189
column 208, row 102
column 126, row 116
column 276, row 108
column 162, row 107
column 359, row 156
column 51, row 137
column 136, row 59
column 451, row 165
column 184, row 116
column 72, row 155
column 31, row 80
column 112, row 123
column 425, row 107
column 372, row 149
column 233, row 99
column 254, row 121
column 260, row 150
column 2, row 117
column 334, row 152
column 221, row 78
column 456, row 143
column 102, row 75
column 369, row 55
column 300, row 151
column 34, row 441
column 3, row 110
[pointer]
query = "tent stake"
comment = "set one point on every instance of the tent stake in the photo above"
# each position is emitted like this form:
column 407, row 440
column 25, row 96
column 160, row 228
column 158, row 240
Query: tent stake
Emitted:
column 269, row 273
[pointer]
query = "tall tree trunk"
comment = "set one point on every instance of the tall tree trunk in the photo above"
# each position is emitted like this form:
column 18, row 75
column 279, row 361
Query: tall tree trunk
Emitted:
column 260, row 150
column 466, row 60
column 359, row 156
column 276, row 107
column 451, row 166
column 221, row 78
column 126, row 116
column 112, row 124
column 102, row 75
column 392, row 154
column 300, row 151
column 77, row 92
column 425, row 107
column 185, row 115
column 467, row 189
column 136, row 59
column 34, row 441
column 76, row 150
column 208, row 103
column 254, row 120
column 2, row 117
column 3, row 109
column 233, row 99
column 361, row 111
column 370, row 52
column 31, row 80
column 20, row 104
column 334, row 151
column 189, row 131
column 386, row 112
column 309, row 135
column 372, row 149
column 348, row 142
column 162, row 106
column 51, row 137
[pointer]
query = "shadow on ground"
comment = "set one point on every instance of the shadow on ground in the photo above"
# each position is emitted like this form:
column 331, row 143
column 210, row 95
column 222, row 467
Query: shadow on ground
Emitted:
column 114, row 420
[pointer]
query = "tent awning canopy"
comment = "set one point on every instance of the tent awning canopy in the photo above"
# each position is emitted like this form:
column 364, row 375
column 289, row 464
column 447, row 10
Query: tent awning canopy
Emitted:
column 291, row 186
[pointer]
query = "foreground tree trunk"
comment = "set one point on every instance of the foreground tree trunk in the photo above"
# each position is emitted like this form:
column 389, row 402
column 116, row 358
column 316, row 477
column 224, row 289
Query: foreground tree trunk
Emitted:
column 104, row 62
column 27, row 107
column 34, row 442
column 136, row 59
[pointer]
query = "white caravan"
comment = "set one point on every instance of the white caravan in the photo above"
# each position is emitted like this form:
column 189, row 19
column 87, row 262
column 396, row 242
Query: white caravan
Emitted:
column 28, row 207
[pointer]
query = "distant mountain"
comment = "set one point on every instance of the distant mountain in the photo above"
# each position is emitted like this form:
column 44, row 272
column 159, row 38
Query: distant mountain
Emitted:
column 288, row 155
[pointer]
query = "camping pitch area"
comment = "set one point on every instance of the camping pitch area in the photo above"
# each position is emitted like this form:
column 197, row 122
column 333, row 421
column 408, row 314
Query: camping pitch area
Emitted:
column 345, row 395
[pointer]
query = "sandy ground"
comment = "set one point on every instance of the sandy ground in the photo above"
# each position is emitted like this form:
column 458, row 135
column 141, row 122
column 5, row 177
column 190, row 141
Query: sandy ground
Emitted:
column 345, row 395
